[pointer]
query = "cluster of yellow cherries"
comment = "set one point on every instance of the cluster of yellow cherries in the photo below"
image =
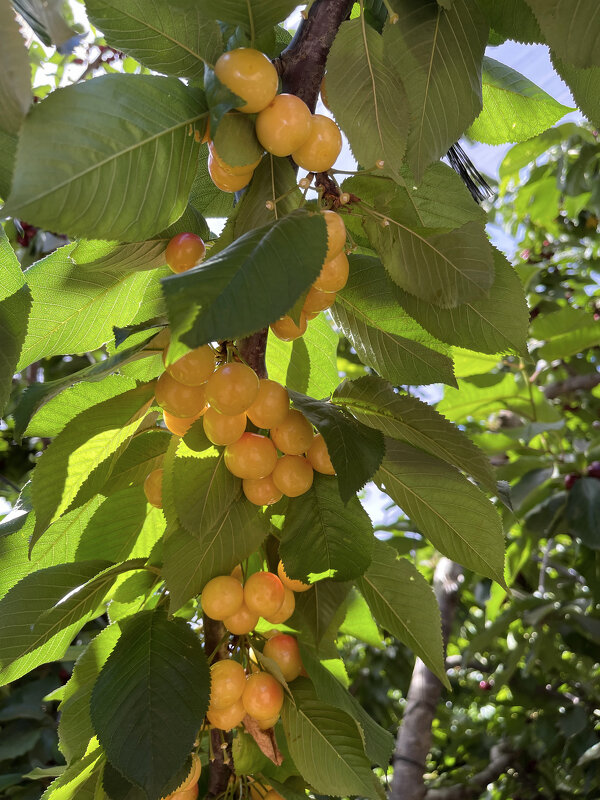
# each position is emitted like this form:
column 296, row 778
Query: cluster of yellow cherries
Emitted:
column 284, row 123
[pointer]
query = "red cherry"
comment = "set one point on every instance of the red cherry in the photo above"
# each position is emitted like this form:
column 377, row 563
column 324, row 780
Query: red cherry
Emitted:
column 571, row 479
column 593, row 470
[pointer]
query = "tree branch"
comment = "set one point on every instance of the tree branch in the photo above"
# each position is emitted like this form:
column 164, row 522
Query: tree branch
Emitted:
column 574, row 384
column 501, row 757
column 301, row 67
column 221, row 765
column 414, row 735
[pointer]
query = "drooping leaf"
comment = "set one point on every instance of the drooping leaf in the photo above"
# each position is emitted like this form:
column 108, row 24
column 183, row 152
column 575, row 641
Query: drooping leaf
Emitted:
column 513, row 19
column 235, row 141
column 494, row 324
column 321, row 534
column 326, row 745
column 438, row 53
column 359, row 623
column 21, row 647
column 190, row 560
column 318, row 607
column 514, row 108
column 165, row 39
column 403, row 603
column 15, row 306
column 151, row 696
column 255, row 16
column 75, row 726
column 211, row 301
column 308, row 364
column 80, row 459
column 450, row 511
column 570, row 30
column 15, row 74
column 401, row 416
column 585, row 86
column 368, row 101
column 385, row 338
column 108, row 181
column 144, row 453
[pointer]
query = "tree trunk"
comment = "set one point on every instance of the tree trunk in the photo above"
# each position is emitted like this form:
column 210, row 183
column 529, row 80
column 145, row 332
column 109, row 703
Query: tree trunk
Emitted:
column 414, row 735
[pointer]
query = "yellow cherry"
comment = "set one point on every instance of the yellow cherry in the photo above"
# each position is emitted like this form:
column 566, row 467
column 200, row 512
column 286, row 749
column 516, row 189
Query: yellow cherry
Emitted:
column 284, row 125
column 320, row 151
column 250, row 75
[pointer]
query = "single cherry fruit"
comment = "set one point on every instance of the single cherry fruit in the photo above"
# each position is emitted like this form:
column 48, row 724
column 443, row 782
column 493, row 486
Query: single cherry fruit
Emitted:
column 227, row 683
column 264, row 593
column 179, row 426
column 322, row 147
column 571, row 479
column 334, row 274
column 194, row 368
column 284, row 125
column 318, row 301
column 225, row 181
column 271, row 405
column 227, row 718
column 242, row 622
column 232, row 388
column 593, row 470
column 153, row 487
column 252, row 456
column 250, row 75
column 223, row 429
column 336, row 235
column 263, row 696
column 184, row 251
column 261, row 491
column 179, row 399
column 185, row 794
column 318, row 455
column 284, row 651
column 293, row 475
column 222, row 597
column 294, row 435
column 286, row 329
column 287, row 608
column 291, row 583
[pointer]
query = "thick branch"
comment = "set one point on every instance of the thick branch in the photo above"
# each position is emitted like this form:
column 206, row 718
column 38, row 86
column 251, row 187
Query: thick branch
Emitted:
column 253, row 349
column 573, row 384
column 414, row 736
column 501, row 757
column 302, row 63
column 221, row 767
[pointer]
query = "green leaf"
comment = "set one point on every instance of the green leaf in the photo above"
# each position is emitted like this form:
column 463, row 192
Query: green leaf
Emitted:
column 15, row 306
column 514, row 108
column 190, row 560
column 566, row 332
column 15, row 73
column 46, row 19
column 54, row 414
column 513, row 19
column 583, row 511
column 319, row 605
column 403, row 603
column 173, row 41
column 204, row 195
column 585, row 86
column 443, row 268
column 58, row 546
column 308, row 364
column 144, row 453
column 75, row 726
column 236, row 143
column 321, row 534
column 385, row 338
column 570, row 30
column 76, row 306
column 401, row 416
column 22, row 648
column 79, row 461
column 354, row 450
column 450, row 511
column 108, row 181
column 326, row 745
column 368, row 101
column 80, row 780
column 151, row 696
column 359, row 621
column 438, row 53
column 379, row 743
column 494, row 324
column 8, row 151
column 211, row 301
column 255, row 16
